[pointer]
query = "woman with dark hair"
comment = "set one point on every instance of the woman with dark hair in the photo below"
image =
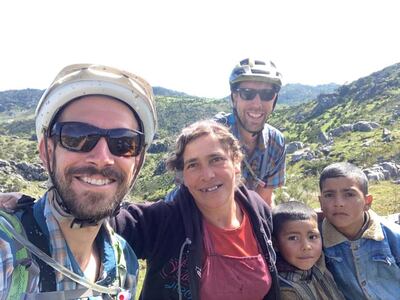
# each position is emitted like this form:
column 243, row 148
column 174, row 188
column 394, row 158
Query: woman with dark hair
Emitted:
column 213, row 241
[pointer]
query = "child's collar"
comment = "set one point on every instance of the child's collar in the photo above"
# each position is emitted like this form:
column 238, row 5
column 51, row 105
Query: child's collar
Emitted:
column 332, row 237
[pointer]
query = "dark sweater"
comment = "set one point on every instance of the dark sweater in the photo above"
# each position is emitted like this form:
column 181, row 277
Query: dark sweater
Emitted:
column 170, row 237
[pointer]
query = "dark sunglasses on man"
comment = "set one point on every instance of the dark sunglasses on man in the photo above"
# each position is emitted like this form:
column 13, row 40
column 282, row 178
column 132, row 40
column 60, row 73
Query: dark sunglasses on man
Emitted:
column 249, row 94
column 83, row 137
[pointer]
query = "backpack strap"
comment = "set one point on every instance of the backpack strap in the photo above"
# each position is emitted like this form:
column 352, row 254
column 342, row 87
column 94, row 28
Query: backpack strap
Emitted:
column 39, row 239
column 24, row 269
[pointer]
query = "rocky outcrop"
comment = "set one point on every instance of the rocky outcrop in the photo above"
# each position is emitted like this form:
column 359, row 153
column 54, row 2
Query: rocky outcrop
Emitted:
column 383, row 171
column 301, row 154
column 361, row 126
column 324, row 102
column 365, row 126
column 341, row 129
column 26, row 170
column 293, row 147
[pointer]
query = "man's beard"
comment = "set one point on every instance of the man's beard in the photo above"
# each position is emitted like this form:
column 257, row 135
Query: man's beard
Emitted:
column 90, row 205
column 243, row 122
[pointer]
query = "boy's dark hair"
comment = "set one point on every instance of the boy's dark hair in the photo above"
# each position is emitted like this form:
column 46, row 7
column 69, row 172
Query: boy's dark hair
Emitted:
column 290, row 211
column 345, row 169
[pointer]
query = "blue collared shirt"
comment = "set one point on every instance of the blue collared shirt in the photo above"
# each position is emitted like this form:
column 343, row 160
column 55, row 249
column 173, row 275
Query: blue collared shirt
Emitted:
column 367, row 268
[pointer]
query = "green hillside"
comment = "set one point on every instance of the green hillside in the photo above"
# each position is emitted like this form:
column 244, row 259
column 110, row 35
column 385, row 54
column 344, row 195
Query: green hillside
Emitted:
column 374, row 98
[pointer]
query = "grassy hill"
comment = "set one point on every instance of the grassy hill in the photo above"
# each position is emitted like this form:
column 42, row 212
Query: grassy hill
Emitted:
column 374, row 98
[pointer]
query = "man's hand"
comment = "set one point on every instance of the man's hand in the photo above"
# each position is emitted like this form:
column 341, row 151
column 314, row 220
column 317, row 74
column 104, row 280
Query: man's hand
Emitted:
column 9, row 201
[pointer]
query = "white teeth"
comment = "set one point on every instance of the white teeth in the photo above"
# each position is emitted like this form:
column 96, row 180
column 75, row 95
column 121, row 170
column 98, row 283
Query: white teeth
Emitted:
column 210, row 189
column 255, row 115
column 96, row 181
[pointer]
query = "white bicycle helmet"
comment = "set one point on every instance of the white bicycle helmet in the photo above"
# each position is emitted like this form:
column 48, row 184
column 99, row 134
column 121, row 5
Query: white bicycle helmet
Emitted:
column 255, row 70
column 79, row 80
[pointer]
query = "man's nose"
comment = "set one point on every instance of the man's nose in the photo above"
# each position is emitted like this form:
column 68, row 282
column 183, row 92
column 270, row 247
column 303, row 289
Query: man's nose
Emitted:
column 100, row 155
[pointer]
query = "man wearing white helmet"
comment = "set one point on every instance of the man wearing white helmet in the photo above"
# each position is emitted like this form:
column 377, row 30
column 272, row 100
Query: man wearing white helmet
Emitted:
column 93, row 125
column 255, row 85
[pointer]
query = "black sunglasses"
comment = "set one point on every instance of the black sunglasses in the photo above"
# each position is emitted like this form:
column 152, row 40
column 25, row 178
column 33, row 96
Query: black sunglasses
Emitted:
column 249, row 94
column 82, row 137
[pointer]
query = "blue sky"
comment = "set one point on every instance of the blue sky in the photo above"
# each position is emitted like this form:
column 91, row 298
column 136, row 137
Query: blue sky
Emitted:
column 191, row 46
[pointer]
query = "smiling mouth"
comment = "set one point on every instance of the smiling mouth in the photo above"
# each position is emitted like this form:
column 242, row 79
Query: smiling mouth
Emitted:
column 211, row 189
column 255, row 115
column 94, row 181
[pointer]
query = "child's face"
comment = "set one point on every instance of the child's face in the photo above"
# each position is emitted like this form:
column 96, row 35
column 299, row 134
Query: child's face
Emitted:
column 343, row 204
column 299, row 243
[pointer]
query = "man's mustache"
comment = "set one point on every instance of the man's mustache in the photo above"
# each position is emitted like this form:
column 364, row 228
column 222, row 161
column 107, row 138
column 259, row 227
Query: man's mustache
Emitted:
column 108, row 172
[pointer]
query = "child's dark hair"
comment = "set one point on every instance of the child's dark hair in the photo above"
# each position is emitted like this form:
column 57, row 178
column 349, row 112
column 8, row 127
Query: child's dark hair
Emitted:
column 291, row 211
column 345, row 169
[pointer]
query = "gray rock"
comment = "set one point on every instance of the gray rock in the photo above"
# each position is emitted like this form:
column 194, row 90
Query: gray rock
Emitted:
column 302, row 154
column 325, row 149
column 391, row 168
column 374, row 174
column 365, row 126
column 323, row 138
column 341, row 130
column 385, row 132
column 383, row 171
column 293, row 147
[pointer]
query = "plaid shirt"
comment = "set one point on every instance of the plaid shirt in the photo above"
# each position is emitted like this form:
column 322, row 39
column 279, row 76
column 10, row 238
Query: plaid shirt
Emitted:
column 268, row 159
column 62, row 254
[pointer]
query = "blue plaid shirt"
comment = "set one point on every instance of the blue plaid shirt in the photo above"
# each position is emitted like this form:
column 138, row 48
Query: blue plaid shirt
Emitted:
column 268, row 159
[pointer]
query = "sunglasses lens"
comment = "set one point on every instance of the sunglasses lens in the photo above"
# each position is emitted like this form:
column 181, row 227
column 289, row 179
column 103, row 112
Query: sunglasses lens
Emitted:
column 82, row 137
column 78, row 137
column 124, row 142
column 247, row 94
column 266, row 94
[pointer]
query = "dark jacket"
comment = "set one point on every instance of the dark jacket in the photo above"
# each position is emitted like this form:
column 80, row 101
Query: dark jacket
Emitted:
column 169, row 235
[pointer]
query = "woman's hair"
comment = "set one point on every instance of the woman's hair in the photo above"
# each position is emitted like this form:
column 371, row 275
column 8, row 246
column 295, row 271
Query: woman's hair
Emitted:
column 199, row 129
column 290, row 211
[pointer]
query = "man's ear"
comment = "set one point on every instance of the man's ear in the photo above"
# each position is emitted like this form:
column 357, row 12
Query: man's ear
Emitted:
column 42, row 151
column 367, row 201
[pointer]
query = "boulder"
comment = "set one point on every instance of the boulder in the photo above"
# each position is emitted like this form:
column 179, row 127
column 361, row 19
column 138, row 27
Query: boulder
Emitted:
column 302, row 154
column 293, row 147
column 323, row 138
column 341, row 130
column 365, row 126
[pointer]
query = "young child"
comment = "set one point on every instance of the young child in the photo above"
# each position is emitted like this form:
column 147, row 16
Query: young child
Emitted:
column 300, row 263
column 362, row 250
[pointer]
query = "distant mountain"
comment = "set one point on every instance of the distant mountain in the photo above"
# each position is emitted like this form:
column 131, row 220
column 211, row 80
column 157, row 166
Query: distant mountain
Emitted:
column 295, row 93
column 17, row 100
column 160, row 91
column 313, row 123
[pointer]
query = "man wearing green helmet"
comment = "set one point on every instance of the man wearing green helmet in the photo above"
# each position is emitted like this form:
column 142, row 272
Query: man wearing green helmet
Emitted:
column 255, row 85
